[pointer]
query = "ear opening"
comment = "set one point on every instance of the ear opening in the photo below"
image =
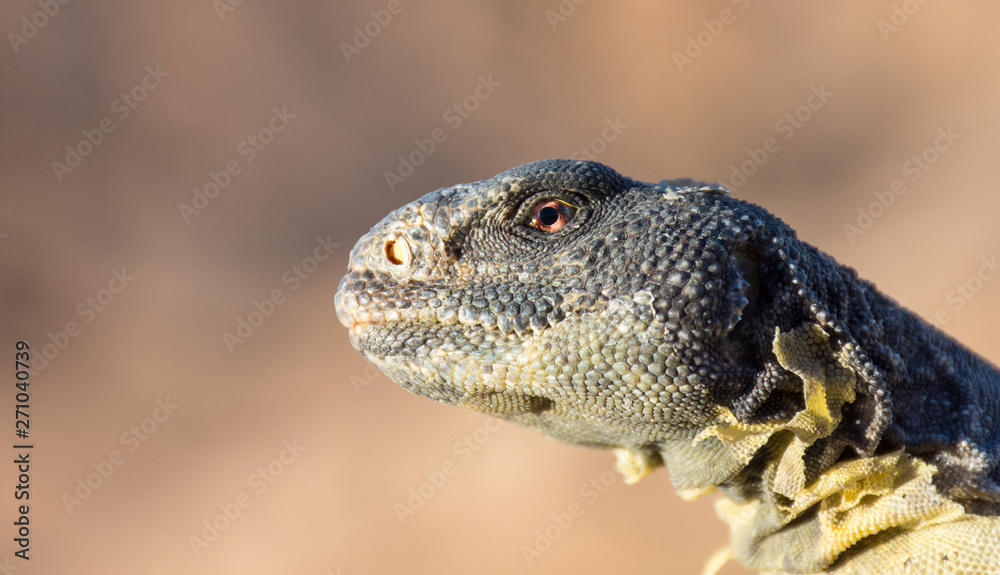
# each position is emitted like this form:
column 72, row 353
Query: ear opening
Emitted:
column 744, row 297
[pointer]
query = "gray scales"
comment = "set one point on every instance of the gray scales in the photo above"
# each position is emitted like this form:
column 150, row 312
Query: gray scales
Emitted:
column 686, row 328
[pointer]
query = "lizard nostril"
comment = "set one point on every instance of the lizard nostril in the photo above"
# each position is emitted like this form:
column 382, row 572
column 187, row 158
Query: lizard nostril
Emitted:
column 397, row 251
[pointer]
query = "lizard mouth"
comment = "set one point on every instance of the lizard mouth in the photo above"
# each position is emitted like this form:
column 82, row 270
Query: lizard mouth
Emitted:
column 445, row 363
column 357, row 310
column 356, row 316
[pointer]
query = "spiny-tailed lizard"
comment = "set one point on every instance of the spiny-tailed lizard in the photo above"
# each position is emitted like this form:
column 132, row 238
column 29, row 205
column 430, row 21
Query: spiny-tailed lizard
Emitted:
column 683, row 327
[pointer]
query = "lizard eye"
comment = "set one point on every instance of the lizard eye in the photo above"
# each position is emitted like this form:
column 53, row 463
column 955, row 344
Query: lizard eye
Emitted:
column 551, row 215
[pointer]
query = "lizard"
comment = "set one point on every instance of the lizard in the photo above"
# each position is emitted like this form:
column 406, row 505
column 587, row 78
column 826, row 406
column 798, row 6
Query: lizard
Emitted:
column 685, row 328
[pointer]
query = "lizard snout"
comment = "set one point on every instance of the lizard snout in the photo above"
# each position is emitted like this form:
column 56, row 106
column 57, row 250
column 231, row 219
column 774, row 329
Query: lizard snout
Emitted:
column 346, row 303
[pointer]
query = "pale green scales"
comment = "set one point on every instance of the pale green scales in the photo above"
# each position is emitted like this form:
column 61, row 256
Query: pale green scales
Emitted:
column 686, row 328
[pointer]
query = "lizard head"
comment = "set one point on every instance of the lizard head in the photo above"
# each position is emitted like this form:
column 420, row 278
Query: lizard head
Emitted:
column 561, row 295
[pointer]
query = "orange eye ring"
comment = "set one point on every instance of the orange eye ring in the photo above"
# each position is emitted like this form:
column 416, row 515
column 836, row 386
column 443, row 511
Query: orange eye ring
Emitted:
column 551, row 215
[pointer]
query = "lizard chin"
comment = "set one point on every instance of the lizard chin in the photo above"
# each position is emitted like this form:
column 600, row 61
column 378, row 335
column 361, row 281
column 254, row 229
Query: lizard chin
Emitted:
column 454, row 380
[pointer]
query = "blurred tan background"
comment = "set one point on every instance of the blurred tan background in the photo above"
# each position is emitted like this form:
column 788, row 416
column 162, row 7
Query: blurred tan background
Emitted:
column 300, row 110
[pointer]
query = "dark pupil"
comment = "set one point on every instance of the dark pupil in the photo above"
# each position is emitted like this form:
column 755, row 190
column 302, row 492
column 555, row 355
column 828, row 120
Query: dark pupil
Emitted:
column 548, row 215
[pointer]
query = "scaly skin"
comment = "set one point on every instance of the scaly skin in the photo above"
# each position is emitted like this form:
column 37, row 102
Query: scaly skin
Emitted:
column 683, row 327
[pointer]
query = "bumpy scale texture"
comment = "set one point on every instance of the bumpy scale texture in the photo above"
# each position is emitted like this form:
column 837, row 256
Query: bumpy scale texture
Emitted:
column 683, row 327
